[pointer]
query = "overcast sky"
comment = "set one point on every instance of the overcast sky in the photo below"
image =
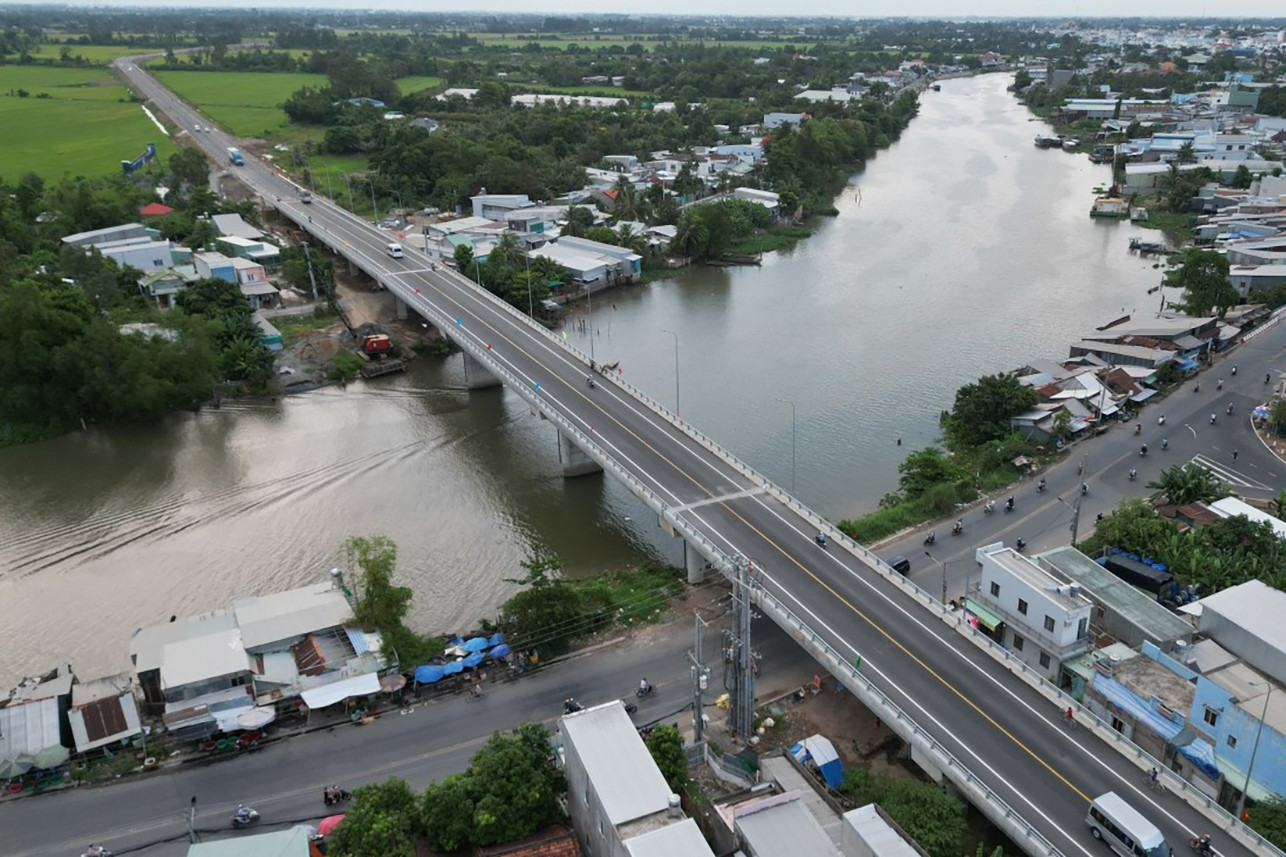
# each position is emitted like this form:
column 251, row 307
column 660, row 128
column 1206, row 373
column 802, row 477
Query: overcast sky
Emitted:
column 841, row 8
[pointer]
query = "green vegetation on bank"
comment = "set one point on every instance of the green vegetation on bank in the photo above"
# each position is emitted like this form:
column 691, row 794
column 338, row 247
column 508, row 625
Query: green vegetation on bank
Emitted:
column 979, row 454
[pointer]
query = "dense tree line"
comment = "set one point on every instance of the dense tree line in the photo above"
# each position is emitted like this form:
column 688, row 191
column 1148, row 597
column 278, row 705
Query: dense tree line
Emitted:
column 64, row 360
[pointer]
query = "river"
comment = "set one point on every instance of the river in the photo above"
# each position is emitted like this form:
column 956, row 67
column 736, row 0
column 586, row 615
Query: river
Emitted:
column 961, row 250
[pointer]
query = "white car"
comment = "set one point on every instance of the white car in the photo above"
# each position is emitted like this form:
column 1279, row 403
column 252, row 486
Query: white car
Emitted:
column 196, row 128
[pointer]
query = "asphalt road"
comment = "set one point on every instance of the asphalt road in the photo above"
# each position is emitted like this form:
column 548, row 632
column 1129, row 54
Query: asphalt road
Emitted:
column 1005, row 732
column 1043, row 520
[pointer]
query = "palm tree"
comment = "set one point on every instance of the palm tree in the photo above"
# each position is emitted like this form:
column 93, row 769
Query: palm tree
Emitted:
column 690, row 236
column 625, row 206
column 628, row 236
column 1188, row 484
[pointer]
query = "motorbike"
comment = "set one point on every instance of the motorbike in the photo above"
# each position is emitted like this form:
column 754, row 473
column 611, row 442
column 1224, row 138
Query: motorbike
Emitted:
column 1009, row 505
column 1213, row 418
column 642, row 692
column 1138, row 428
column 1085, row 489
column 1165, row 443
column 1134, row 474
column 1143, row 450
column 1019, row 545
column 1040, row 486
column 1234, row 370
column 990, row 507
column 335, row 794
column 957, row 529
column 1201, row 844
column 245, row 817
column 1230, row 410
column 96, row 851
column 931, row 537
column 590, row 381
column 820, row 538
column 571, row 706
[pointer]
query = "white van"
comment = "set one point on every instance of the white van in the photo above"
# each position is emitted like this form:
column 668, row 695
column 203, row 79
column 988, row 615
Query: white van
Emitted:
column 394, row 249
column 1121, row 826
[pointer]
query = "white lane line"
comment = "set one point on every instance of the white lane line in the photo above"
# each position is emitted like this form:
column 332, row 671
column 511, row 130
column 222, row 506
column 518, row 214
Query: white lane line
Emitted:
column 721, row 498
column 1227, row 474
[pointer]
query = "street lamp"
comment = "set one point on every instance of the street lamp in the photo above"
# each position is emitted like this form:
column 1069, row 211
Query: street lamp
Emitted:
column 943, row 566
column 793, row 435
column 676, row 370
column 1241, row 801
column 400, row 206
column 348, row 180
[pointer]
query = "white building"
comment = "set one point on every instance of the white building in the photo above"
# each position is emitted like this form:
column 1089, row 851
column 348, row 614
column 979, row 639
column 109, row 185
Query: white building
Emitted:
column 619, row 803
column 494, row 206
column 1045, row 621
column 867, row 832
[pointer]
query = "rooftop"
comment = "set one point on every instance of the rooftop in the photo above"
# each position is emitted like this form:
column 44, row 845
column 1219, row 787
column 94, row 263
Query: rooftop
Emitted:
column 206, row 657
column 1248, row 689
column 1037, row 578
column 147, row 646
column 1254, row 606
column 625, row 778
column 282, row 615
column 782, row 826
column 680, row 839
column 880, row 837
column 283, row 843
column 1151, row 680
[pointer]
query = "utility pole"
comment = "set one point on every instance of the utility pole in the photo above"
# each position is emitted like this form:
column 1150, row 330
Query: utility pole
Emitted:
column 741, row 714
column 193, row 836
column 1076, row 509
column 700, row 679
column 312, row 279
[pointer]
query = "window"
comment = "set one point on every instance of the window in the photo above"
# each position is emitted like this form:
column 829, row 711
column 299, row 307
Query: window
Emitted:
column 1018, row 643
column 1211, row 716
column 995, row 589
column 1022, row 606
column 1081, row 627
column 1049, row 623
column 1232, row 741
column 1044, row 660
column 1118, row 724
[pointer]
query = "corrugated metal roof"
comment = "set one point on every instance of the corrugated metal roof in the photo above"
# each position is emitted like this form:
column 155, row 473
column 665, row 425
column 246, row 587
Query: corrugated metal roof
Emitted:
column 619, row 766
column 285, row 843
column 207, row 657
column 283, row 615
column 147, row 647
column 681, row 839
column 784, row 830
column 879, row 836
column 33, row 726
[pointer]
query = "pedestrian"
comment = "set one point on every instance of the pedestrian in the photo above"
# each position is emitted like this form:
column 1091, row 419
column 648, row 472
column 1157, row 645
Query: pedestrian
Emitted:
column 1234, row 455
column 899, row 441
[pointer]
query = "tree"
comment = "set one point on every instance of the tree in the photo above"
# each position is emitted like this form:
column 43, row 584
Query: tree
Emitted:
column 382, row 819
column 1241, row 178
column 512, row 785
column 378, row 604
column 926, row 468
column 446, row 813
column 1268, row 818
column 1189, row 483
column 579, row 221
column 190, row 167
column 666, row 746
column 549, row 613
column 982, row 409
column 1186, row 154
column 1203, row 276
column 463, row 257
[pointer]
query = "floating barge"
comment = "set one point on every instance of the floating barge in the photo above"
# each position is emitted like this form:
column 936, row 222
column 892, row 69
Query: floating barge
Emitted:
column 1146, row 248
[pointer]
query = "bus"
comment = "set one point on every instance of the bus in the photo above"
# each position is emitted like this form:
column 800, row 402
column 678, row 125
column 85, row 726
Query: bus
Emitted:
column 1120, row 825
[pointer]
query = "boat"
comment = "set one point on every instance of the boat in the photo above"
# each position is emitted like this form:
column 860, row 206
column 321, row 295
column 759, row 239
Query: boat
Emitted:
column 1110, row 206
column 1138, row 214
column 1071, row 145
column 1044, row 141
column 937, row 87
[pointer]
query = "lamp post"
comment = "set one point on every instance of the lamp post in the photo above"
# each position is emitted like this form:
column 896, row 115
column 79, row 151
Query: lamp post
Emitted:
column 531, row 310
column 943, row 566
column 329, row 192
column 1241, row 801
column 348, row 180
column 677, row 412
column 793, row 436
column 400, row 206
column 589, row 296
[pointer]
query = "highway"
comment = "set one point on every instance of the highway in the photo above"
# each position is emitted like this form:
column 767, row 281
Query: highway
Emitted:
column 1007, row 733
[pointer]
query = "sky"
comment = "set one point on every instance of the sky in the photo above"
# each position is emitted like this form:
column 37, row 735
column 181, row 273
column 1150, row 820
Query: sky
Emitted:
column 838, row 8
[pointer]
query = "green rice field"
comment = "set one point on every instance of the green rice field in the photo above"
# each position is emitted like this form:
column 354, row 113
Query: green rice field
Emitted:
column 407, row 85
column 95, row 54
column 246, row 103
column 86, row 126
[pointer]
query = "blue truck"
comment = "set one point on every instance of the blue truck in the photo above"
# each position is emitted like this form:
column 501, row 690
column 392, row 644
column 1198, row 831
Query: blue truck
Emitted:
column 234, row 155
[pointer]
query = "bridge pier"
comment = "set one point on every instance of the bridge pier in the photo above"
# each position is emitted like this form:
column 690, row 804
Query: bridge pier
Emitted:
column 401, row 308
column 575, row 461
column 695, row 563
column 476, row 376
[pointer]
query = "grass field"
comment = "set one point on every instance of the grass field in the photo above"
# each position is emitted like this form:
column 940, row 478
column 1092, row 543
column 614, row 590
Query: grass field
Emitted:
column 407, row 85
column 84, row 127
column 95, row 54
column 605, row 91
column 246, row 103
column 593, row 41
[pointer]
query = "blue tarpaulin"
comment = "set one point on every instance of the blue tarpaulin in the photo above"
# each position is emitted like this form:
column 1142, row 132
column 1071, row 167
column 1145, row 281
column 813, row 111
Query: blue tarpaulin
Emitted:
column 476, row 644
column 429, row 673
column 473, row 660
column 496, row 639
column 453, row 668
column 821, row 752
column 501, row 651
column 1197, row 751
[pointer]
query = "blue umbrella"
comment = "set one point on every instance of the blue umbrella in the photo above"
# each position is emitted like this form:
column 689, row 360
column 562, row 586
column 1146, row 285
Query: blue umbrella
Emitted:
column 429, row 673
column 496, row 639
column 475, row 644
column 473, row 660
column 453, row 668
column 501, row 651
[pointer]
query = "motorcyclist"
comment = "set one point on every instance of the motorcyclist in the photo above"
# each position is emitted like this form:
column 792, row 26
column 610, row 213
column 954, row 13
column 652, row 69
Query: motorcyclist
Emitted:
column 1040, row 486
column 1219, row 384
column 1134, row 474
column 1143, row 450
column 1009, row 504
column 1085, row 488
column 1020, row 544
column 1212, row 419
column 1234, row 369
column 958, row 526
column 1229, row 409
column 243, row 812
column 821, row 539
column 1161, row 420
column 645, row 687
column 931, row 537
column 1203, row 844
column 990, row 507
column 589, row 379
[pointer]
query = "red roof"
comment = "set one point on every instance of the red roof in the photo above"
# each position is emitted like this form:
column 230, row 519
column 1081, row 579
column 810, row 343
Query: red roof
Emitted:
column 155, row 208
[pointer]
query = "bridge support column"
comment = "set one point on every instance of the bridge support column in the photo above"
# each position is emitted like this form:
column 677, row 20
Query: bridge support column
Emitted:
column 694, row 562
column 575, row 461
column 401, row 308
column 477, row 376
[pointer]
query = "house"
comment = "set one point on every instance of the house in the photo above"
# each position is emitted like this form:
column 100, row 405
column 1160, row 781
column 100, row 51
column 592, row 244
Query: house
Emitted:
column 780, row 825
column 163, row 286
column 1045, row 621
column 34, row 717
column 232, row 224
column 532, row 99
column 269, row 335
column 868, row 832
column 819, row 96
column 619, row 803
column 623, row 264
column 262, row 650
column 211, row 264
column 110, row 234
column 103, row 712
column 260, row 252
column 766, row 198
column 494, row 206
column 623, row 163
column 424, row 123
column 294, row 842
column 773, row 120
